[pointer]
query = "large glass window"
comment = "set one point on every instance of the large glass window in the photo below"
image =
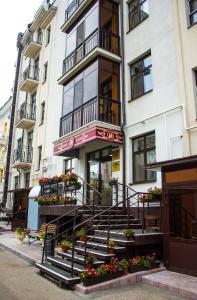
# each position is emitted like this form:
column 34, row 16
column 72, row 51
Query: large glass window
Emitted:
column 195, row 89
column 192, row 6
column 80, row 90
column 144, row 152
column 141, row 77
column 138, row 11
column 81, row 31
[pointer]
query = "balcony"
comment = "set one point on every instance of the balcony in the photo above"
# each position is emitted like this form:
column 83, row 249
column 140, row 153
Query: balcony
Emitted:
column 97, row 109
column 26, row 116
column 100, row 42
column 33, row 46
column 73, row 12
column 23, row 157
column 30, row 79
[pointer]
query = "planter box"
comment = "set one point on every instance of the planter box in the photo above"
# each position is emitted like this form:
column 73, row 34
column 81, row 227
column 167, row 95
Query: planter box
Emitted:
column 134, row 269
column 96, row 280
column 72, row 202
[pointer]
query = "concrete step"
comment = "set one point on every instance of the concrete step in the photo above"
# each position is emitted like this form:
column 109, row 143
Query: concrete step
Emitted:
column 66, row 264
column 77, row 258
column 101, row 246
column 117, row 226
column 97, row 253
column 58, row 274
column 119, row 241
column 115, row 220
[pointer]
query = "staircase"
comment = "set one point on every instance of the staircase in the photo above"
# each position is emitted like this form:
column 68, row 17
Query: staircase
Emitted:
column 101, row 223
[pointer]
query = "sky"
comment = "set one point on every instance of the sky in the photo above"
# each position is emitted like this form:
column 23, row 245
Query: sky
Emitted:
column 14, row 17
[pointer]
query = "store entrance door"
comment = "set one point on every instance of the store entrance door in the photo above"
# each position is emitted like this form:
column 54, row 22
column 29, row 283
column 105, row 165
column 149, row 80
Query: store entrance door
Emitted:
column 99, row 174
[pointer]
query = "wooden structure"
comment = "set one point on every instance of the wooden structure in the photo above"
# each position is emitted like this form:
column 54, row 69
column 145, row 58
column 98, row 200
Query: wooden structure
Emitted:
column 20, row 207
column 179, row 225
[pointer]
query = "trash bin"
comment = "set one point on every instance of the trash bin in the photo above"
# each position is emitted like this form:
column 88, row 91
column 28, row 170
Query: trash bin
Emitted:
column 49, row 245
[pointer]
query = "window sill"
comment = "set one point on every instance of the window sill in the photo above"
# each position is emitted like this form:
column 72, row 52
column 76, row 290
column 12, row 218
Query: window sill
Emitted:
column 136, row 25
column 140, row 96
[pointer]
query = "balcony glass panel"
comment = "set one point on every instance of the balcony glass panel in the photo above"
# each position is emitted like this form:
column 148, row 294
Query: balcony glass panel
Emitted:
column 88, row 102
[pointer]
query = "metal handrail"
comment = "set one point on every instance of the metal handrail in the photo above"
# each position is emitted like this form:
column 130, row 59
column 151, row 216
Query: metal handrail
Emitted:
column 74, row 4
column 27, row 111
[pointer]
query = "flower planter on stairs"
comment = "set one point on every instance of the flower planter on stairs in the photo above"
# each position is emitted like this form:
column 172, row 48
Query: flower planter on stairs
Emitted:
column 100, row 279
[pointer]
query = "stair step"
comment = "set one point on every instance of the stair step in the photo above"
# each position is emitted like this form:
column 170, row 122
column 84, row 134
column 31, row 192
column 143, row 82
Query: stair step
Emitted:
column 117, row 226
column 118, row 241
column 77, row 257
column 65, row 264
column 100, row 246
column 96, row 253
column 134, row 221
column 58, row 273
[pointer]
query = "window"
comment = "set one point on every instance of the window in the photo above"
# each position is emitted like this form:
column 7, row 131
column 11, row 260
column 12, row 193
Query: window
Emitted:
column 48, row 35
column 39, row 157
column 45, row 72
column 42, row 113
column 195, row 89
column 16, row 182
column 69, row 165
column 192, row 6
column 138, row 12
column 141, row 77
column 27, row 179
column 144, row 152
column 33, row 107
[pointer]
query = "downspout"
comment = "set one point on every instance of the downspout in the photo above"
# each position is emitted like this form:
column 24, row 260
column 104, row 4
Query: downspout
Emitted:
column 9, row 148
column 123, row 113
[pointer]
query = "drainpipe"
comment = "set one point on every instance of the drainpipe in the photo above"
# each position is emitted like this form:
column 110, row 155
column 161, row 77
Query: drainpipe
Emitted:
column 9, row 148
column 123, row 120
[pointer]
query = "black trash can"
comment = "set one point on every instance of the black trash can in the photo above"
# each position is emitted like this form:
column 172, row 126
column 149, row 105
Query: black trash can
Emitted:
column 49, row 245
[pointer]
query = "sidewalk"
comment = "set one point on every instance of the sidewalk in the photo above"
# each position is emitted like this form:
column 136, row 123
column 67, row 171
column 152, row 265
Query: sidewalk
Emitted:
column 181, row 284
column 31, row 253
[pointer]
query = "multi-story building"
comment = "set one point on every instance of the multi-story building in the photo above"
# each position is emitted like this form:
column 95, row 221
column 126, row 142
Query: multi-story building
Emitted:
column 4, row 132
column 106, row 88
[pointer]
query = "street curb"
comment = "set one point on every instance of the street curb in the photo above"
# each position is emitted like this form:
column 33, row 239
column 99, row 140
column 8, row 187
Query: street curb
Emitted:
column 22, row 256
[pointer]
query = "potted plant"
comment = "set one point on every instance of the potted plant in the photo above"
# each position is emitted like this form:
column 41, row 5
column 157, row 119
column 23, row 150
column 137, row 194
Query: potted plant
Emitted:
column 43, row 181
column 124, row 265
column 66, row 245
column 129, row 234
column 21, row 233
column 153, row 194
column 41, row 200
column 113, row 181
column 82, row 233
column 89, row 261
column 111, row 244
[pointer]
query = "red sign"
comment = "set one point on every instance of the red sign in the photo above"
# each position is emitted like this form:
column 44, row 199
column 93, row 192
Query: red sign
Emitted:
column 80, row 139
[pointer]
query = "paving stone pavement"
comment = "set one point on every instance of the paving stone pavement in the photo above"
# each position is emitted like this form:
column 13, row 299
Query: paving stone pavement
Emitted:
column 20, row 281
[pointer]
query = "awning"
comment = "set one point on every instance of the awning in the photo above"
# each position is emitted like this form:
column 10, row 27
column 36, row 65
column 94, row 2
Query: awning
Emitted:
column 183, row 162
column 72, row 143
column 35, row 191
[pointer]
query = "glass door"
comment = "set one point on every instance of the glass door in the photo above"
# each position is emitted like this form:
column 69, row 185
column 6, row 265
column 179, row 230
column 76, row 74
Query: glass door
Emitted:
column 99, row 174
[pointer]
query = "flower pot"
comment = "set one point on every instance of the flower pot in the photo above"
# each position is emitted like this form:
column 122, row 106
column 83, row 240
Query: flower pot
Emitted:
column 65, row 249
column 21, row 237
column 130, row 238
column 83, row 238
column 125, row 272
column 111, row 251
column 155, row 264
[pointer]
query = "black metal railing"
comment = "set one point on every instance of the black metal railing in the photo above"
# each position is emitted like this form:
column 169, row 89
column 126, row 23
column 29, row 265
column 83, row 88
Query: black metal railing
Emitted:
column 23, row 154
column 101, row 109
column 72, row 8
column 99, row 38
column 31, row 72
column 125, row 198
column 26, row 111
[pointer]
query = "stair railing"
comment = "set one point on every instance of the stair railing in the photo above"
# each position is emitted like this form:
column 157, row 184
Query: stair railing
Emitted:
column 75, row 211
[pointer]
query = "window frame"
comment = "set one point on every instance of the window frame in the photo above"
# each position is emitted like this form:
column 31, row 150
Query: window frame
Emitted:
column 42, row 112
column 131, row 12
column 144, row 151
column 191, row 13
column 16, row 182
column 45, row 72
column 27, row 179
column 39, row 157
column 142, row 58
column 71, row 169
column 48, row 35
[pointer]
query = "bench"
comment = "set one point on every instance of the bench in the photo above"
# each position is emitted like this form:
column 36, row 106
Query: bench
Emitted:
column 37, row 235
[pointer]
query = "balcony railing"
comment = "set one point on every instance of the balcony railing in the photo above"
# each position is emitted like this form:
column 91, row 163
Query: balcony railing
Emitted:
column 72, row 8
column 33, row 39
column 31, row 72
column 100, row 109
column 99, row 38
column 26, row 111
column 23, row 154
